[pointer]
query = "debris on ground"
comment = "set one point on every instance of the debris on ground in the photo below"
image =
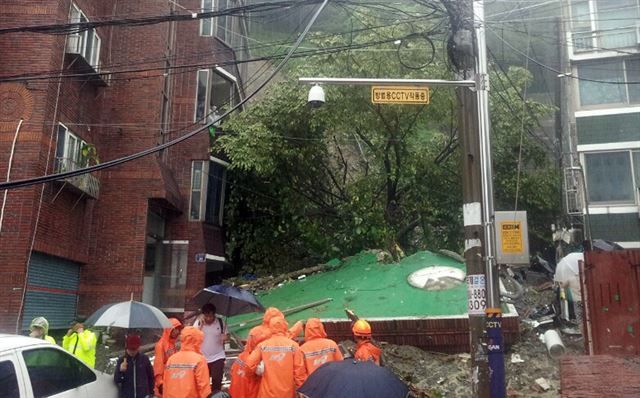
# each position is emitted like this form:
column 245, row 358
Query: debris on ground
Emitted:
column 543, row 384
column 530, row 371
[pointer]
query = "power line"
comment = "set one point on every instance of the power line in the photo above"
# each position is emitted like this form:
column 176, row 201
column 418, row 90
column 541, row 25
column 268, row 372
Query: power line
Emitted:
column 535, row 61
column 75, row 27
column 109, row 69
column 116, row 162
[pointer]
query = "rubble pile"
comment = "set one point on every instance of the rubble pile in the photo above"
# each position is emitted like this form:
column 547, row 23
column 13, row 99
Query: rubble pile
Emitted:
column 530, row 371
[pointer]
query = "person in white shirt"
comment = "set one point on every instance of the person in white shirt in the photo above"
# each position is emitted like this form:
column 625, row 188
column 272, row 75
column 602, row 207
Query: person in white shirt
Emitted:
column 215, row 334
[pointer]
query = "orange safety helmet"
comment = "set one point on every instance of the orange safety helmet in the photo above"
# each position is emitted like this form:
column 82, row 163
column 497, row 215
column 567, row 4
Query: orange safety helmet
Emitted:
column 361, row 328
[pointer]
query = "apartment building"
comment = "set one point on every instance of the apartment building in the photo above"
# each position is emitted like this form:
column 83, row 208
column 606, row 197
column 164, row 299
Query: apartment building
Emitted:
column 601, row 108
column 152, row 228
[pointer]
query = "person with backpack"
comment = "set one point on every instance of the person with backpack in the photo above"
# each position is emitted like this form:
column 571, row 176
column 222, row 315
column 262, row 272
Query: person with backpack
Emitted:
column 215, row 334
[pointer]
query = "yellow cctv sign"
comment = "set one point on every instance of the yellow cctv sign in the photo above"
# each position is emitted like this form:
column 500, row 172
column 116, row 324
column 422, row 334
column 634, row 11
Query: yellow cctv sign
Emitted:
column 399, row 95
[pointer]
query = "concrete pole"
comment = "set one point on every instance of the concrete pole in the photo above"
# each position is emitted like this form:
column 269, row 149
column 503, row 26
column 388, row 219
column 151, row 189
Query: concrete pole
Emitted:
column 485, row 333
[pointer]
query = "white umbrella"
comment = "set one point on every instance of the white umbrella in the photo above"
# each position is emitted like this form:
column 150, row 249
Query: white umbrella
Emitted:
column 129, row 315
column 568, row 267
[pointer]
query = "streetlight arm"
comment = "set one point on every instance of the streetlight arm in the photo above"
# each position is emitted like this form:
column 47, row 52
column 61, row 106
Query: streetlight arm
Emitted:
column 387, row 82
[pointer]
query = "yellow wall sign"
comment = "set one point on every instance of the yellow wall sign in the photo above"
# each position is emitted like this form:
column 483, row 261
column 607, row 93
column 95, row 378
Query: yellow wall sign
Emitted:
column 399, row 95
column 512, row 236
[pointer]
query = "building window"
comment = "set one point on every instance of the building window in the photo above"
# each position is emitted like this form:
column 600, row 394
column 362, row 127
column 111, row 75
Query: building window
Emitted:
column 207, row 25
column 202, row 92
column 618, row 73
column 604, row 24
column 71, row 150
column 610, row 177
column 222, row 20
column 208, row 186
column 85, row 43
column 216, row 90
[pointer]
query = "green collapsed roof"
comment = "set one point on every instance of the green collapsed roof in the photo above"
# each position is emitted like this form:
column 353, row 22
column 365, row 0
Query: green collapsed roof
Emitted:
column 369, row 288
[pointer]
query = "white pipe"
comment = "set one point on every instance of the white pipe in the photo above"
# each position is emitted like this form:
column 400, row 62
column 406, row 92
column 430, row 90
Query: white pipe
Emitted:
column 6, row 191
column 554, row 343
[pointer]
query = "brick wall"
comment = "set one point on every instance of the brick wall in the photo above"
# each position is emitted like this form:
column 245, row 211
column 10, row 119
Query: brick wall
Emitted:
column 106, row 235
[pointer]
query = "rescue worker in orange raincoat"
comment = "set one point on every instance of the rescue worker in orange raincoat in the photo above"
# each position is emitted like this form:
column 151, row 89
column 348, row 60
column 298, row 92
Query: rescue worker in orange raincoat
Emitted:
column 365, row 349
column 244, row 382
column 165, row 347
column 317, row 348
column 283, row 363
column 269, row 314
column 186, row 374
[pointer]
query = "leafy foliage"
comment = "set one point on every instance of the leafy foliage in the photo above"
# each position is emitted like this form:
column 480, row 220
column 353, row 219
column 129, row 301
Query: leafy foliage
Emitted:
column 310, row 184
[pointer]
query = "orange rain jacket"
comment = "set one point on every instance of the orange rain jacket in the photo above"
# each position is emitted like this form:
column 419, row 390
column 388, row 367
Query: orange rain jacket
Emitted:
column 186, row 374
column 245, row 383
column 269, row 314
column 283, row 363
column 317, row 348
column 165, row 347
column 367, row 351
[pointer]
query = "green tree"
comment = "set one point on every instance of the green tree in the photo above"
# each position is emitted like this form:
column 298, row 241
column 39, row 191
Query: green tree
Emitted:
column 310, row 184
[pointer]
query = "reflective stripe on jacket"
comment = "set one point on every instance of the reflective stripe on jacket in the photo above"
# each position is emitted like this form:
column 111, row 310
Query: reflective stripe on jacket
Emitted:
column 244, row 383
column 317, row 349
column 186, row 374
column 283, row 367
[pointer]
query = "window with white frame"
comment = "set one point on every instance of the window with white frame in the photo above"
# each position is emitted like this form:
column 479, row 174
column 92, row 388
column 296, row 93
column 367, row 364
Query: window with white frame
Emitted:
column 611, row 86
column 85, row 43
column 604, row 24
column 216, row 90
column 70, row 150
column 207, row 25
column 223, row 20
column 610, row 177
column 208, row 185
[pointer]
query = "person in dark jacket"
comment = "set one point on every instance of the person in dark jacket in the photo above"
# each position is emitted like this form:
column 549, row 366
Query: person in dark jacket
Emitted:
column 134, row 373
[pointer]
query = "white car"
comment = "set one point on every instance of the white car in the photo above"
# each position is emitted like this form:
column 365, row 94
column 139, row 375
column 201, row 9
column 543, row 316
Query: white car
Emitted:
column 34, row 368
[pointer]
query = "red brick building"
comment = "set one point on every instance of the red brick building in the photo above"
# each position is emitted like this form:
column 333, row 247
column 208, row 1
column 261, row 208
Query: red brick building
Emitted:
column 152, row 227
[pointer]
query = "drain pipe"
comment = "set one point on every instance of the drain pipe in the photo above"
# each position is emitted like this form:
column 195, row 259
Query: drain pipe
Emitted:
column 6, row 191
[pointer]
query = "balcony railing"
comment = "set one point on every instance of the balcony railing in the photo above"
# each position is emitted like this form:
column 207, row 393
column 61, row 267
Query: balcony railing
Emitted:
column 603, row 40
column 86, row 183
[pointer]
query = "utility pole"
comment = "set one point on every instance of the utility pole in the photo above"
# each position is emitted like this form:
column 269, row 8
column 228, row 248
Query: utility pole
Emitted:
column 467, row 50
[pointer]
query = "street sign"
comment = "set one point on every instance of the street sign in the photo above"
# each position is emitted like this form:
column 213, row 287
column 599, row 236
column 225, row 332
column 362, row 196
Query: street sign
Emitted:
column 399, row 95
column 201, row 257
column 512, row 240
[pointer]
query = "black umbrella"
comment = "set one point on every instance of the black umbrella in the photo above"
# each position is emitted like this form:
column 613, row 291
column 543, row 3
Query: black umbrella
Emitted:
column 129, row 315
column 605, row 245
column 353, row 379
column 229, row 300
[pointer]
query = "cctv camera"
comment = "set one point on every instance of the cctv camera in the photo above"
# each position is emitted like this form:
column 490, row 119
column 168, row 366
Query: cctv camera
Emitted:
column 316, row 96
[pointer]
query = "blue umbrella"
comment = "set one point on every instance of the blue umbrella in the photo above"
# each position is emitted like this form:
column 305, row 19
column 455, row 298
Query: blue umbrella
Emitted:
column 229, row 300
column 353, row 379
